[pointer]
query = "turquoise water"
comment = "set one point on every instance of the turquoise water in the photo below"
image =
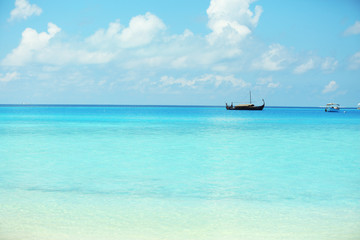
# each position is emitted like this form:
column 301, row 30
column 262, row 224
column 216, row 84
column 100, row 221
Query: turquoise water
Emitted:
column 117, row 172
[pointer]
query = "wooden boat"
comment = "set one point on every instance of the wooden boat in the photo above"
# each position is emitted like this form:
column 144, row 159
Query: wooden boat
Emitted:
column 249, row 106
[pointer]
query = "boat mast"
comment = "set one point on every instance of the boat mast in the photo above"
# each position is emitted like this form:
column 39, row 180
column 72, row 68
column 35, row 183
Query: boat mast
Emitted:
column 250, row 97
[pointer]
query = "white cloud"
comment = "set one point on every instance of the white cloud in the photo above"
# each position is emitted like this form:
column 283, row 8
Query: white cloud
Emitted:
column 231, row 20
column 331, row 87
column 106, row 38
column 216, row 80
column 273, row 85
column 180, row 62
column 264, row 80
column 101, row 47
column 355, row 61
column 353, row 30
column 31, row 42
column 9, row 77
column 268, row 82
column 276, row 58
column 23, row 10
column 166, row 81
column 329, row 64
column 141, row 31
column 36, row 47
column 305, row 67
column 142, row 44
column 235, row 82
column 63, row 54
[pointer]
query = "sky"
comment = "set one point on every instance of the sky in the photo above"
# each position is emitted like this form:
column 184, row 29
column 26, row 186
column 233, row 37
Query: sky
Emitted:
column 160, row 52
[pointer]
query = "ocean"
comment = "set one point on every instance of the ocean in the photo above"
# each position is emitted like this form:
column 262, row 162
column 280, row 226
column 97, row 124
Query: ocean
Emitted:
column 178, row 172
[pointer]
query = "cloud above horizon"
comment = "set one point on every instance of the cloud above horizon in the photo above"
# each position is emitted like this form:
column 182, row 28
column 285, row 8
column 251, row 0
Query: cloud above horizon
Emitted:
column 23, row 9
column 215, row 80
column 268, row 82
column 274, row 59
column 329, row 64
column 141, row 31
column 310, row 64
column 353, row 30
column 331, row 87
column 231, row 20
column 10, row 76
column 355, row 61
column 31, row 43
column 145, row 46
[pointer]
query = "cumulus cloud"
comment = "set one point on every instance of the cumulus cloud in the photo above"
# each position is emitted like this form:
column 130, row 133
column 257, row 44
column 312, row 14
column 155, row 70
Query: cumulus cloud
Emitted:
column 268, row 82
column 274, row 59
column 142, row 43
column 36, row 47
column 102, row 47
column 310, row 64
column 353, row 30
column 23, row 9
column 231, row 20
column 355, row 61
column 8, row 77
column 329, row 64
column 331, row 87
column 273, row 85
column 105, row 38
column 63, row 54
column 168, row 80
column 216, row 80
column 31, row 42
column 141, row 31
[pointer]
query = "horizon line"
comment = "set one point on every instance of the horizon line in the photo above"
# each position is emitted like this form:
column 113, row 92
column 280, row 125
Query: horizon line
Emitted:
column 135, row 105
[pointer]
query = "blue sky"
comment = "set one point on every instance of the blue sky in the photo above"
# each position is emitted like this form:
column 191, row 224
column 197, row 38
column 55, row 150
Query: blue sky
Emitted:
column 291, row 53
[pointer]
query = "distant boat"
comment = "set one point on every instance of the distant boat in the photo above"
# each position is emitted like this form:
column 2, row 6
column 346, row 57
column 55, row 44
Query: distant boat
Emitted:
column 358, row 106
column 249, row 106
column 332, row 107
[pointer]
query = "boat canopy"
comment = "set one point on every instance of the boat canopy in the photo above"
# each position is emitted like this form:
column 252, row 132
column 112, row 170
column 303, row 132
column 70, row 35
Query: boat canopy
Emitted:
column 244, row 105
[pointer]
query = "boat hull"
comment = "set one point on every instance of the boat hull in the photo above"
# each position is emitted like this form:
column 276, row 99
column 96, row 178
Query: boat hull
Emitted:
column 245, row 107
column 331, row 109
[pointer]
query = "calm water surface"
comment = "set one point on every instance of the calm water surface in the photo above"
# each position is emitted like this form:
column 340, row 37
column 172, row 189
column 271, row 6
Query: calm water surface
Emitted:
column 101, row 172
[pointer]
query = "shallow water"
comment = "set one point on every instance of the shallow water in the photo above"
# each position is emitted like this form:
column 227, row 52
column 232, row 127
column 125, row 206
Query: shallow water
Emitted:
column 106, row 172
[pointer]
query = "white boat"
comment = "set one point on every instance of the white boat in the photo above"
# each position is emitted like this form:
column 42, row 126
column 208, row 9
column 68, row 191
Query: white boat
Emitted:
column 332, row 107
column 358, row 106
